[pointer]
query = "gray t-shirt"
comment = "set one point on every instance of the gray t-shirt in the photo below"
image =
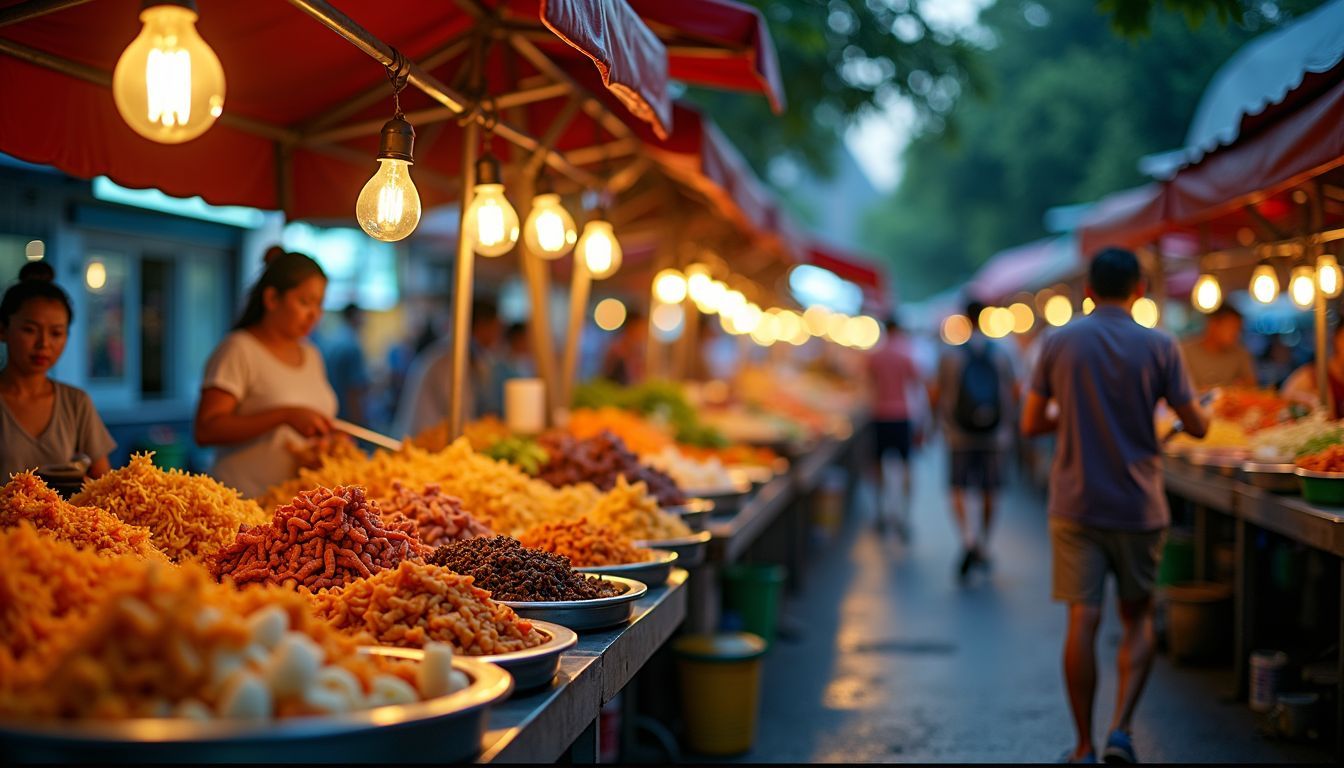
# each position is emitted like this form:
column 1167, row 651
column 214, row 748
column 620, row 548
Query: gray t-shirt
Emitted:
column 74, row 428
column 1107, row 373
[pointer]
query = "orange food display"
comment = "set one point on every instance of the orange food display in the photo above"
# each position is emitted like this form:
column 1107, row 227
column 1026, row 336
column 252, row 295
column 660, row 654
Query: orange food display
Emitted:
column 584, row 543
column 416, row 603
column 1252, row 409
column 26, row 497
column 1329, row 460
column 640, row 435
column 737, row 453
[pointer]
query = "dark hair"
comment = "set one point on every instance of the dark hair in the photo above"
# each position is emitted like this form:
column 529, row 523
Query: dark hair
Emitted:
column 285, row 270
column 515, row 330
column 1225, row 310
column 351, row 311
column 893, row 323
column 1114, row 274
column 974, row 308
column 35, row 282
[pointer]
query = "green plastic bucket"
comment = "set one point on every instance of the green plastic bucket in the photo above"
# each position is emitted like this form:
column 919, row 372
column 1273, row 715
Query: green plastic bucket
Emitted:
column 1178, row 558
column 753, row 592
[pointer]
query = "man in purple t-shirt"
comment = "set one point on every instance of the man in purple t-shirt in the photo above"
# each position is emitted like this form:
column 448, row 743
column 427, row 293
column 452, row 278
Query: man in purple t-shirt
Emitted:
column 1108, row 510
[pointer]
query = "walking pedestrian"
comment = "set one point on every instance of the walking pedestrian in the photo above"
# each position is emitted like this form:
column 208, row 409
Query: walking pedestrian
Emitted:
column 892, row 376
column 975, row 394
column 1105, row 374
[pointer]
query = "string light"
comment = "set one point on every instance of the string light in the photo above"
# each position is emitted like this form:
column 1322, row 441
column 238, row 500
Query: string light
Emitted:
column 490, row 220
column 388, row 207
column 1023, row 317
column 698, row 282
column 1088, row 305
column 549, row 230
column 1207, row 294
column 1058, row 310
column 168, row 84
column 1145, row 312
column 956, row 330
column 669, row 286
column 1265, row 283
column 599, row 249
column 1302, row 287
column 1328, row 276
column 609, row 314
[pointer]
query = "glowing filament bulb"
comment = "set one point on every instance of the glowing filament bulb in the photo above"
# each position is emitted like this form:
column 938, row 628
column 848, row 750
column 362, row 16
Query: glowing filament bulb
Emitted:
column 168, row 84
column 1328, row 276
column 1208, row 294
column 388, row 207
column 549, row 231
column 1265, row 284
column 1302, row 287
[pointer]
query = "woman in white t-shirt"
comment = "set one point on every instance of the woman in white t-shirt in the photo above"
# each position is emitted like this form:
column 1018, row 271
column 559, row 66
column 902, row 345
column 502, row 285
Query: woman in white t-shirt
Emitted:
column 265, row 391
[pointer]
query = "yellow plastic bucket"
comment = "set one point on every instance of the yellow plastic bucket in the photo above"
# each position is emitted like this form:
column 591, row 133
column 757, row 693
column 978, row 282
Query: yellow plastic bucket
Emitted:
column 720, row 690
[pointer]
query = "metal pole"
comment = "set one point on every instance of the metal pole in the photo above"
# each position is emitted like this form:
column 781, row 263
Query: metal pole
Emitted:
column 1322, row 356
column 538, row 276
column 462, row 291
column 579, row 287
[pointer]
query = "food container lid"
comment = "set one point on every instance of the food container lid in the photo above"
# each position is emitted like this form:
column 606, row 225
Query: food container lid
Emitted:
column 725, row 646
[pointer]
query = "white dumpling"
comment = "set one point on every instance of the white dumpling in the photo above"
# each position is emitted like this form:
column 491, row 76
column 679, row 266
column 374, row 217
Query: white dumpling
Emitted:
column 293, row 665
column 245, row 696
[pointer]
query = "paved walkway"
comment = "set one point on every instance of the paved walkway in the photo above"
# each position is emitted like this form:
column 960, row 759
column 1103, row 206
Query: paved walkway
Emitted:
column 895, row 662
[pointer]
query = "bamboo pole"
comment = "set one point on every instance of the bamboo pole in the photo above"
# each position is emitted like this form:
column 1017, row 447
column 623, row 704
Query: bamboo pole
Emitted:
column 579, row 287
column 462, row 293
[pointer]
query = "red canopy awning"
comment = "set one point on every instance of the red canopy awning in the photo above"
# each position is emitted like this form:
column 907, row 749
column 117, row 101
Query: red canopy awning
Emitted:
column 1129, row 218
column 718, row 43
column 285, row 72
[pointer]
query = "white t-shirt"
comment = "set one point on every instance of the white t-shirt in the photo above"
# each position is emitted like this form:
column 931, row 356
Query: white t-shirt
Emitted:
column 242, row 366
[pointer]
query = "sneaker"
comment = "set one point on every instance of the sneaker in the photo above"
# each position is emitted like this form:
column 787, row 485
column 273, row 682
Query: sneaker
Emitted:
column 1067, row 757
column 1120, row 748
column 967, row 560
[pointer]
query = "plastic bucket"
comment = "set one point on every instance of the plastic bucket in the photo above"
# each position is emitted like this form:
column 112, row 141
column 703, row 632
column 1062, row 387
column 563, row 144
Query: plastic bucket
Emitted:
column 720, row 690
column 753, row 592
column 1198, row 620
column 1266, row 674
column 1178, row 558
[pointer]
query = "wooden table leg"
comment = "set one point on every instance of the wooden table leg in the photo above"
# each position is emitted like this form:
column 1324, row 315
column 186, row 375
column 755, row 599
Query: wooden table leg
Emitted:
column 1244, row 605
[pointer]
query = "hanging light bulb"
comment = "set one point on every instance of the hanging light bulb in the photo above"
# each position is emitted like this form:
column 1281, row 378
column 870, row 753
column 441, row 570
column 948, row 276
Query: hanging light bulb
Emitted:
column 599, row 249
column 549, row 232
column 1328, row 276
column 490, row 221
column 1145, row 312
column 388, row 207
column 698, row 281
column 669, row 286
column 1265, row 283
column 1302, row 287
column 1208, row 294
column 1058, row 310
column 168, row 84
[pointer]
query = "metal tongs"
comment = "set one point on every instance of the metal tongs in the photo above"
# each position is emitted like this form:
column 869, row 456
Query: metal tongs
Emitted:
column 367, row 435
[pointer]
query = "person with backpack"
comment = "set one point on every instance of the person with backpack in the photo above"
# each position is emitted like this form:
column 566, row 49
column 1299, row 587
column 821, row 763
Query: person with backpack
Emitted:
column 975, row 396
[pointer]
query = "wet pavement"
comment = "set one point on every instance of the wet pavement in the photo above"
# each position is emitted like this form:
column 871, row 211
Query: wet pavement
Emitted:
column 891, row 661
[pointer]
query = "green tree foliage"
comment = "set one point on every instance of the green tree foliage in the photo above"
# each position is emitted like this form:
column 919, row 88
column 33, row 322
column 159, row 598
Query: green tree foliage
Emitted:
column 1069, row 107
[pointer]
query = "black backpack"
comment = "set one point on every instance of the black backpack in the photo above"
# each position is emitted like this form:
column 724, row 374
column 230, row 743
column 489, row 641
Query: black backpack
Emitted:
column 979, row 404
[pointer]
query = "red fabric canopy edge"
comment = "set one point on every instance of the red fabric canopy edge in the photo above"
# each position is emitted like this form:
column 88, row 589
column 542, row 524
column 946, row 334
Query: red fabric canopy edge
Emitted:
column 855, row 268
column 631, row 59
column 748, row 60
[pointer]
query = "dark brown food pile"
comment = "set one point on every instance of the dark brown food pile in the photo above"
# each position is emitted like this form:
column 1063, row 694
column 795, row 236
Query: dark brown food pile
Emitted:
column 438, row 518
column 326, row 538
column 515, row 573
column 599, row 460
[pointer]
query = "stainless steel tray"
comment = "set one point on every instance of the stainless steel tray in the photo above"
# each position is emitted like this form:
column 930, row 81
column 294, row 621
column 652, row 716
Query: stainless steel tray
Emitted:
column 651, row 572
column 1273, row 477
column 444, row 729
column 579, row 615
column 694, row 512
column 727, row 500
column 531, row 668
column 690, row 549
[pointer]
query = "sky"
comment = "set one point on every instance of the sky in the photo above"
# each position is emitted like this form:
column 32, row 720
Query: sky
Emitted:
column 877, row 139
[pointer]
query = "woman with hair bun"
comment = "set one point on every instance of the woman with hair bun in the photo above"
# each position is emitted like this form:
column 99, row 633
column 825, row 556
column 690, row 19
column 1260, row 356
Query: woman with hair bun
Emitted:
column 265, row 391
column 43, row 423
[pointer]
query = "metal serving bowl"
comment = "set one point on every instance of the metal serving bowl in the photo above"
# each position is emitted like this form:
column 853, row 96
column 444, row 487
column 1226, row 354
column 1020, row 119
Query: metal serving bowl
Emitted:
column 443, row 729
column 690, row 549
column 579, row 615
column 726, row 499
column 652, row 572
column 531, row 668
column 693, row 512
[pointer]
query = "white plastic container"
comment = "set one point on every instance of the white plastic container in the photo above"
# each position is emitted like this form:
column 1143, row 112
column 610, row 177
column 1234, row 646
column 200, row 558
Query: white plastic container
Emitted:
column 1266, row 672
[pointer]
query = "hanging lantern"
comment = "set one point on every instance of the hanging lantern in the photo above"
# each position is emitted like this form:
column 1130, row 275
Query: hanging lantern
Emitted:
column 1328, row 276
column 1207, row 294
column 1302, row 287
column 1265, row 283
column 599, row 249
column 490, row 221
column 168, row 84
column 549, row 232
column 388, row 207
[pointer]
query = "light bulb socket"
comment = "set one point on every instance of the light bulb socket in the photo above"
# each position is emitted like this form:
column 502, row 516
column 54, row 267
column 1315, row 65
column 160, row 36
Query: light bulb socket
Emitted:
column 397, row 141
column 188, row 4
column 488, row 170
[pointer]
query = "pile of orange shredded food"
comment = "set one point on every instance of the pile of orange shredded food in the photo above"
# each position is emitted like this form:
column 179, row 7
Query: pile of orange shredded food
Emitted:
column 189, row 516
column 584, row 543
column 26, row 497
column 416, row 603
column 1329, row 460
column 157, row 640
column 48, row 589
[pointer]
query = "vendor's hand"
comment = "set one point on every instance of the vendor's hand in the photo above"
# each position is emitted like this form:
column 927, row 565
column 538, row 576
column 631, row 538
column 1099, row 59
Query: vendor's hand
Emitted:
column 307, row 422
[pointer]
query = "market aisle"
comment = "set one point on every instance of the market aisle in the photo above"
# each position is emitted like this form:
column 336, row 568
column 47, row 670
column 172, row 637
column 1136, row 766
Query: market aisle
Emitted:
column 896, row 663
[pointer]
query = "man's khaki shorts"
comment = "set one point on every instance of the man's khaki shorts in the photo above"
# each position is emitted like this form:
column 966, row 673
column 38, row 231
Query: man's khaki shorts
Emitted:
column 1083, row 555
